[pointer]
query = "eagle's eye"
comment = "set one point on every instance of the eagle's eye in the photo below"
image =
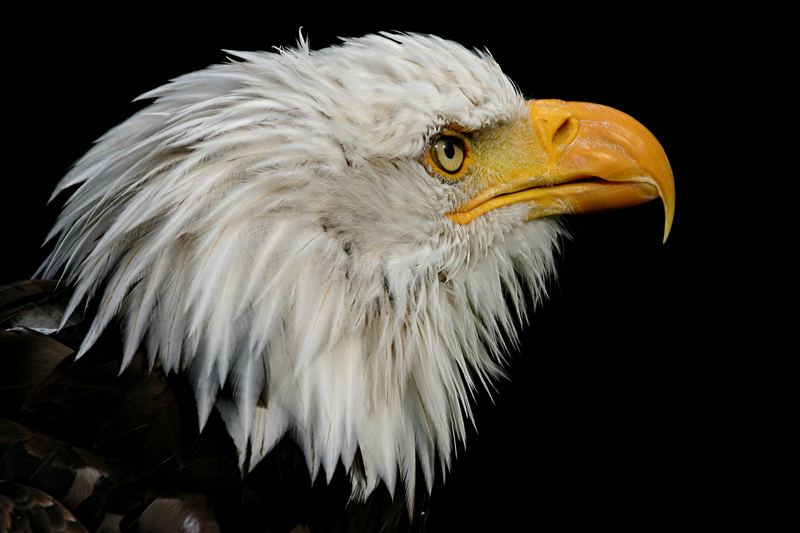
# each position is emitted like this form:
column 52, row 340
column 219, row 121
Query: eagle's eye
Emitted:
column 448, row 152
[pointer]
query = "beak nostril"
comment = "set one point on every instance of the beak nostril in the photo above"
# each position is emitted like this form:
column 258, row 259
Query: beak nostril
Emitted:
column 565, row 132
column 555, row 122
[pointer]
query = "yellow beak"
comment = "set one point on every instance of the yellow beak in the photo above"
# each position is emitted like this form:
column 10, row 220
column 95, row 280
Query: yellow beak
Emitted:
column 584, row 158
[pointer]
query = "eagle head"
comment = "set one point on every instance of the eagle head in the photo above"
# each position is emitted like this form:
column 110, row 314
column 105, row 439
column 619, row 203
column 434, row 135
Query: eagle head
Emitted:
column 337, row 244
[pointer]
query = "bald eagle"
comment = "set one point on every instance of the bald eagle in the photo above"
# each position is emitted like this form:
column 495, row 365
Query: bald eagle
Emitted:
column 327, row 252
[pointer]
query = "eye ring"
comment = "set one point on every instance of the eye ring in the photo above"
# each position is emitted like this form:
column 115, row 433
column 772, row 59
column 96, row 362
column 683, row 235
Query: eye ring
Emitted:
column 448, row 154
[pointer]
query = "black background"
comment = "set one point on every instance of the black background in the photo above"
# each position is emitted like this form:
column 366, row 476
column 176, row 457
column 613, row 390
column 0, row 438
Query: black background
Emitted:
column 617, row 402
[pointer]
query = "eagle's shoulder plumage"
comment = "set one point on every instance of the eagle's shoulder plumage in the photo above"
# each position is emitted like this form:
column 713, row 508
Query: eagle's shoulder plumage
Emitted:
column 83, row 448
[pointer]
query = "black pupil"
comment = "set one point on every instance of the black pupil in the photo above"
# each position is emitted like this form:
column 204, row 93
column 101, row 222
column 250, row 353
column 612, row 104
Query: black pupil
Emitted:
column 449, row 148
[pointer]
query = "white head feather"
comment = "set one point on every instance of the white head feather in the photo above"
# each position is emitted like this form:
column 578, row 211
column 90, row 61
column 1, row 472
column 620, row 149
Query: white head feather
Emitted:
column 267, row 225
